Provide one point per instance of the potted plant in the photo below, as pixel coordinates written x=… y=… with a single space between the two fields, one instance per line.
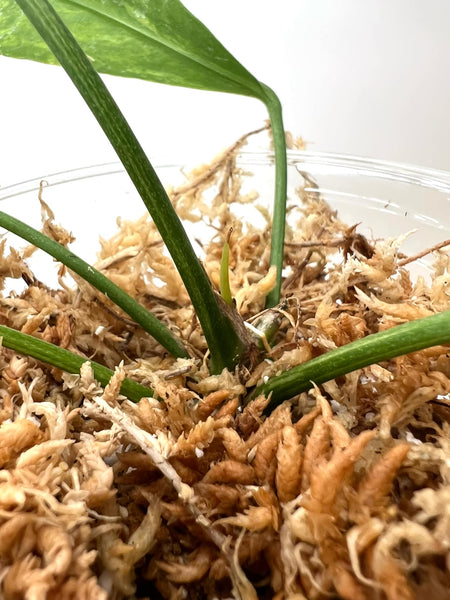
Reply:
x=213 y=484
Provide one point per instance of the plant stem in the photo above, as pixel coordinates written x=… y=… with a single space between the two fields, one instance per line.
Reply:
x=136 y=311
x=67 y=361
x=223 y=341
x=279 y=210
x=377 y=347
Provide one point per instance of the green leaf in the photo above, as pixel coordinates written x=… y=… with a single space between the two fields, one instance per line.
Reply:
x=377 y=347
x=128 y=304
x=67 y=361
x=155 y=40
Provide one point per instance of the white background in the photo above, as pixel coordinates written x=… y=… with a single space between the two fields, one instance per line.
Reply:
x=361 y=77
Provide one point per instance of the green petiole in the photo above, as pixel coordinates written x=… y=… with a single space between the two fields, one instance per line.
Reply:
x=67 y=361
x=279 y=208
x=375 y=348
x=135 y=310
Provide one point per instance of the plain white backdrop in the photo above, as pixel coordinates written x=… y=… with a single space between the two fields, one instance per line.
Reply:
x=369 y=78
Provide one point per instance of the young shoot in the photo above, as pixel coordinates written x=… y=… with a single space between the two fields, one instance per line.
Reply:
x=225 y=290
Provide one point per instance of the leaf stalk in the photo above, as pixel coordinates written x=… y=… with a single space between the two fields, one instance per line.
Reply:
x=279 y=209
x=136 y=311
x=67 y=361
x=374 y=348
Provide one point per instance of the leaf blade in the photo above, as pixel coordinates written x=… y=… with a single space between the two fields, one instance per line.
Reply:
x=158 y=41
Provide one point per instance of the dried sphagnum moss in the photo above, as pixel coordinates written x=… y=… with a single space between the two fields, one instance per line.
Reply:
x=343 y=492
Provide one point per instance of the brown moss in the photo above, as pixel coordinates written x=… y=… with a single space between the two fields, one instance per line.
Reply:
x=343 y=492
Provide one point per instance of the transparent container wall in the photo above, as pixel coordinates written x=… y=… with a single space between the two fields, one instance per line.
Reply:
x=385 y=199
x=86 y=202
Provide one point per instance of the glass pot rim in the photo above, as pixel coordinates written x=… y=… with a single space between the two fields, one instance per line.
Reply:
x=339 y=164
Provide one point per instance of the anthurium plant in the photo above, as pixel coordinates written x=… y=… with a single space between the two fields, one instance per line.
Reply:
x=162 y=41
